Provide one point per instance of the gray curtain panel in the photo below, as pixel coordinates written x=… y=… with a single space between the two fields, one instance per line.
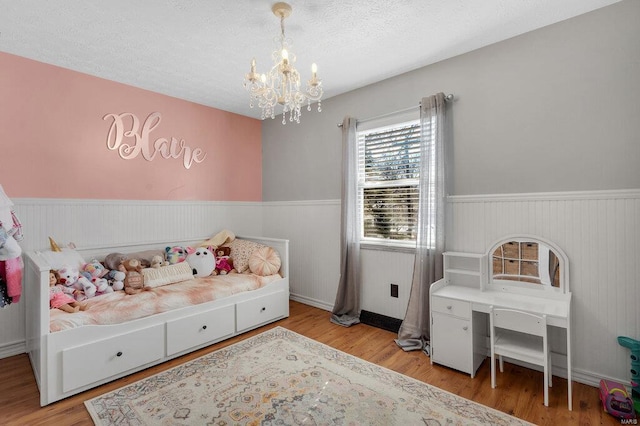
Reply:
x=346 y=309
x=414 y=331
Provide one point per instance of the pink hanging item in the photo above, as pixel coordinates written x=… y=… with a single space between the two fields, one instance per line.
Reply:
x=11 y=272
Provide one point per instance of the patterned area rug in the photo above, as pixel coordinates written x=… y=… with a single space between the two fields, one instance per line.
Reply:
x=282 y=378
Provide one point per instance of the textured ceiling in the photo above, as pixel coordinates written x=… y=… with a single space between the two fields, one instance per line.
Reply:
x=199 y=50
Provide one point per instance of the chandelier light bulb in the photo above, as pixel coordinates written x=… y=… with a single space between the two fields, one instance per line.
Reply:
x=285 y=54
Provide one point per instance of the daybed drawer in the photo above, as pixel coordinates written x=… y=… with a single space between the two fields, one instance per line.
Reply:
x=254 y=312
x=459 y=308
x=99 y=360
x=194 y=330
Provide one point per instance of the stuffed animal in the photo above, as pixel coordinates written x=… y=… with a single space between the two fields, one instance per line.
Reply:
x=70 y=277
x=102 y=286
x=58 y=297
x=93 y=269
x=158 y=261
x=224 y=263
x=116 y=279
x=177 y=254
x=202 y=261
x=134 y=280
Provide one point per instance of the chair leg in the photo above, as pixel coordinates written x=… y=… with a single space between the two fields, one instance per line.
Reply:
x=546 y=387
x=493 y=370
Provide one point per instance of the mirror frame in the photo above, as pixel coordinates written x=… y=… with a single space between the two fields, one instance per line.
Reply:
x=562 y=258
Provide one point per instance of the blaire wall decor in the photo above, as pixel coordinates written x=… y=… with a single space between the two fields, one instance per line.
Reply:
x=125 y=127
x=163 y=138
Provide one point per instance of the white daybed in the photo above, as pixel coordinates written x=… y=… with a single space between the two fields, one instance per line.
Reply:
x=73 y=360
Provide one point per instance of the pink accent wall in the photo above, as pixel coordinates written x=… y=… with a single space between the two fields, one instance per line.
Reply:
x=53 y=141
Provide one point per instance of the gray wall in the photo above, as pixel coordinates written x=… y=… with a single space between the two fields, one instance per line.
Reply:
x=556 y=109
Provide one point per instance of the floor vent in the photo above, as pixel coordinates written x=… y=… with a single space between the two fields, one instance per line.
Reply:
x=381 y=321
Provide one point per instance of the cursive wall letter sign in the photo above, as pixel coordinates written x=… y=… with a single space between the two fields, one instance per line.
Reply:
x=141 y=142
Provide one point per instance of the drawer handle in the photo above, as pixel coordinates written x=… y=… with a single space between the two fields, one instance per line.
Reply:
x=449 y=307
x=263 y=309
x=119 y=354
x=204 y=327
x=465 y=328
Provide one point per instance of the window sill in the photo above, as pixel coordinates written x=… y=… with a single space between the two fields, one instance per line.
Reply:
x=400 y=248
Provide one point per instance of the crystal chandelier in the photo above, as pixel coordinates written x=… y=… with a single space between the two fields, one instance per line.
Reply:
x=281 y=85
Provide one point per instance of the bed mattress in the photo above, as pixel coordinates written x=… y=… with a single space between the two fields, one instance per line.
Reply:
x=118 y=307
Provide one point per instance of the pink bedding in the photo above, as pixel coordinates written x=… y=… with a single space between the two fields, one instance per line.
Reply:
x=118 y=307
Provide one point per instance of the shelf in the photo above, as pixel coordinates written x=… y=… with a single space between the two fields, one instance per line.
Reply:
x=464 y=271
x=462 y=254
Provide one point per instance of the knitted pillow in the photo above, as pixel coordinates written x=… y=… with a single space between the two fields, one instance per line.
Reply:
x=156 y=277
x=241 y=251
x=265 y=261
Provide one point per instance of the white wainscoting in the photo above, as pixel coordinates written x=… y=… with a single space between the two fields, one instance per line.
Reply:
x=380 y=269
x=313 y=231
x=600 y=232
x=91 y=223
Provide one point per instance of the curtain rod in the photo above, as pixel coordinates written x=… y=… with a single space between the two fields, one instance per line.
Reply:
x=448 y=97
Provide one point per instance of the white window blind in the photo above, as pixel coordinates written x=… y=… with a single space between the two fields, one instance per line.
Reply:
x=388 y=176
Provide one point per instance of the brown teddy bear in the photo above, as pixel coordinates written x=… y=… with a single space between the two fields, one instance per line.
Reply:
x=134 y=280
x=224 y=263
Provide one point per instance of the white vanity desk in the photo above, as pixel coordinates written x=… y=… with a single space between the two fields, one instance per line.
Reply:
x=513 y=274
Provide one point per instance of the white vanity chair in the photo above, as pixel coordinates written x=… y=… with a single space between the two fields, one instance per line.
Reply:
x=520 y=273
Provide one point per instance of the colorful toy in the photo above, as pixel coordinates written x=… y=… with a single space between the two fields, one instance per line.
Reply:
x=634 y=346
x=615 y=400
x=177 y=254
x=93 y=269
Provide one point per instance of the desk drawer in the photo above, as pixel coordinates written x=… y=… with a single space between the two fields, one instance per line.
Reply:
x=459 y=308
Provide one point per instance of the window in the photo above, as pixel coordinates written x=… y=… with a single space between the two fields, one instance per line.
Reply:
x=388 y=177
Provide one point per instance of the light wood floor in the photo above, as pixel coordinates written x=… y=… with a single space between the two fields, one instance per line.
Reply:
x=519 y=390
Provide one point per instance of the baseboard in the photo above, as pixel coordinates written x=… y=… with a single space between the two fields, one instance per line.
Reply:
x=14 y=348
x=559 y=362
x=311 y=302
x=380 y=321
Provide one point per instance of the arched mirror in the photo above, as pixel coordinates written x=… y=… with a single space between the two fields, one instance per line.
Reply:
x=529 y=262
